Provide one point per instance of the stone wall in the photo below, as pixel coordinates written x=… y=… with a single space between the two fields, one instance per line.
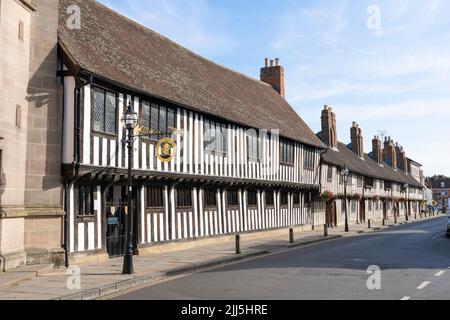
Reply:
x=31 y=194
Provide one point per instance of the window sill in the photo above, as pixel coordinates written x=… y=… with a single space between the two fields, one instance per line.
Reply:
x=216 y=153
x=286 y=164
x=104 y=134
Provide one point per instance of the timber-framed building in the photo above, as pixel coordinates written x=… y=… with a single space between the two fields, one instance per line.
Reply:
x=245 y=162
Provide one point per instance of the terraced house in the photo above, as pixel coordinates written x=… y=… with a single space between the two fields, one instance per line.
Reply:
x=382 y=184
x=245 y=161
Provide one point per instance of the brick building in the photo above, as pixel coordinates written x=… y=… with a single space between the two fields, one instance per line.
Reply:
x=440 y=187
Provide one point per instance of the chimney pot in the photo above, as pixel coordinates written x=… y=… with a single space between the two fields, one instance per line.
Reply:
x=271 y=63
x=277 y=62
x=266 y=62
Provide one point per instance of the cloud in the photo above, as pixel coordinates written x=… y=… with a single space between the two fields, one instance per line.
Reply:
x=192 y=23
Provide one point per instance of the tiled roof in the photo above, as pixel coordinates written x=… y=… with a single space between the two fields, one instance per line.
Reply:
x=115 y=48
x=344 y=156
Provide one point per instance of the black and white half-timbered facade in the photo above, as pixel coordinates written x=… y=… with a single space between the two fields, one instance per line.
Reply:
x=380 y=185
x=245 y=161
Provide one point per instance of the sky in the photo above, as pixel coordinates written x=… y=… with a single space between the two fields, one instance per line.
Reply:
x=384 y=64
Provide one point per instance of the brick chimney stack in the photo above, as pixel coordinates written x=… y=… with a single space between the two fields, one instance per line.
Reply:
x=377 y=150
x=357 y=140
x=329 y=135
x=401 y=158
x=389 y=153
x=273 y=73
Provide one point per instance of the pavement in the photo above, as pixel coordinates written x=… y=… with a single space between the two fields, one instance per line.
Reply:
x=106 y=281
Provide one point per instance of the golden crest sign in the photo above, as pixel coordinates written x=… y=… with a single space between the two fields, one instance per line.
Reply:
x=166 y=149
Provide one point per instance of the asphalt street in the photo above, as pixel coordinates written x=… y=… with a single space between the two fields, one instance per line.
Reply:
x=414 y=260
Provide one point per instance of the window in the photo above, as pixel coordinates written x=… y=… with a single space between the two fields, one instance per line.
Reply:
x=387 y=185
x=215 y=137
x=210 y=197
x=251 y=198
x=343 y=205
x=308 y=158
x=86 y=199
x=232 y=196
x=341 y=179
x=18 y=116
x=253 y=148
x=155 y=198
x=381 y=184
x=284 y=199
x=330 y=173
x=21 y=31
x=184 y=197
x=377 y=205
x=353 y=206
x=360 y=181
x=370 y=205
x=349 y=180
x=368 y=182
x=158 y=118
x=104 y=111
x=269 y=198
x=296 y=199
x=307 y=199
x=286 y=152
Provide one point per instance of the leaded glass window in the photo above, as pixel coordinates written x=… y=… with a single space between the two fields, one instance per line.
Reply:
x=104 y=111
x=158 y=118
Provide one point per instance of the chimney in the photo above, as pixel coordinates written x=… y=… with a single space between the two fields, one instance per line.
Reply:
x=377 y=151
x=329 y=135
x=357 y=140
x=273 y=74
x=389 y=154
x=401 y=158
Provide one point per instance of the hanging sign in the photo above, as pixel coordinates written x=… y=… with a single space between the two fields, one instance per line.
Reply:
x=166 y=150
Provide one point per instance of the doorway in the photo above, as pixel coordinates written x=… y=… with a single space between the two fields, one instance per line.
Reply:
x=116 y=215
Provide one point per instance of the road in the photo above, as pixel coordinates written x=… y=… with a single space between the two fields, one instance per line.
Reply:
x=414 y=261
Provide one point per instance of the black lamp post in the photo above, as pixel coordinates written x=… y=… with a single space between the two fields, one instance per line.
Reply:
x=406 y=186
x=130 y=120
x=345 y=173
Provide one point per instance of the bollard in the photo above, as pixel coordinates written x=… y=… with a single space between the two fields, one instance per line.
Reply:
x=415 y=216
x=368 y=221
x=384 y=222
x=291 y=235
x=325 y=230
x=238 y=244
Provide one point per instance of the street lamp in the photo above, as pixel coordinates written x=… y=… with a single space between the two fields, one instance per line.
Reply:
x=345 y=173
x=130 y=120
x=406 y=186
